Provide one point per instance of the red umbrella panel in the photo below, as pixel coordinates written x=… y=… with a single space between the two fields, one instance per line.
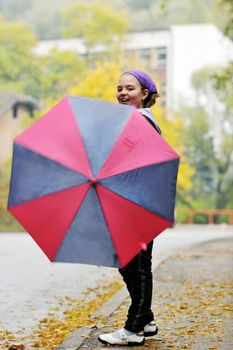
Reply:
x=92 y=182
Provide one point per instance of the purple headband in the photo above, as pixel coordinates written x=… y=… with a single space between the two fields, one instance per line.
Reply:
x=144 y=79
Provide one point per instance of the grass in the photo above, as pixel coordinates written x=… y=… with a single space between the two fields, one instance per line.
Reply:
x=8 y=223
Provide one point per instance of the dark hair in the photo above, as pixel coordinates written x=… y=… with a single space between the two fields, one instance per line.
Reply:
x=150 y=100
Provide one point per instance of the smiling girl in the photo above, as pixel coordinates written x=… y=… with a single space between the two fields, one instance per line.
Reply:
x=136 y=88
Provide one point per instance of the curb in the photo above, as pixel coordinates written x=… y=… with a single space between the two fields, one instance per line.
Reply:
x=111 y=304
x=75 y=339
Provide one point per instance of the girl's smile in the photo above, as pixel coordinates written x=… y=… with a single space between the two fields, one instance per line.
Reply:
x=130 y=91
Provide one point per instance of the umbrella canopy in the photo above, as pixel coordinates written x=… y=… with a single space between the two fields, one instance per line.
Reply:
x=92 y=182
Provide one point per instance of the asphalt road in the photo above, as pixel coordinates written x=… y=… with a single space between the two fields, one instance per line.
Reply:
x=30 y=285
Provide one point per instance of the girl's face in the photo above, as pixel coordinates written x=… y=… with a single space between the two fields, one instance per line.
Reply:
x=130 y=92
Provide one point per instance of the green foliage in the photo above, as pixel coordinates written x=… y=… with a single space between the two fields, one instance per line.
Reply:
x=42 y=16
x=57 y=72
x=16 y=42
x=209 y=141
x=23 y=71
x=163 y=13
x=45 y=17
x=7 y=222
x=14 y=10
x=96 y=23
x=199 y=151
x=222 y=80
x=18 y=66
x=140 y=4
x=99 y=82
x=228 y=6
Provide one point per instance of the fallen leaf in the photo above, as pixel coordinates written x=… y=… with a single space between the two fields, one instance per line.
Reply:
x=16 y=347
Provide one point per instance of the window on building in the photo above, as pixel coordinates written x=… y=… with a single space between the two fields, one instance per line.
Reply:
x=145 y=55
x=163 y=96
x=161 y=57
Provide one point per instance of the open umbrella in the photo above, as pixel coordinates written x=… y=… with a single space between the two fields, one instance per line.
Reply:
x=92 y=182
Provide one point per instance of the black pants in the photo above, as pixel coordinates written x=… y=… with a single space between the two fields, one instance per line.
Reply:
x=137 y=275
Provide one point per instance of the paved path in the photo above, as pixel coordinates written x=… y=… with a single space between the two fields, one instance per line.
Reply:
x=30 y=285
x=192 y=301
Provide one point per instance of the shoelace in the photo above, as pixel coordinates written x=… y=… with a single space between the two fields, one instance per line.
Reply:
x=123 y=337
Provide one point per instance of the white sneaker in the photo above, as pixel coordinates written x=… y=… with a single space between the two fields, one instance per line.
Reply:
x=150 y=329
x=122 y=337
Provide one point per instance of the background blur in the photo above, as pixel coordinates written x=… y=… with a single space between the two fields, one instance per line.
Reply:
x=50 y=49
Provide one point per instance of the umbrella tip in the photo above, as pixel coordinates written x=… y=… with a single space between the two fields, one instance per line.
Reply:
x=143 y=245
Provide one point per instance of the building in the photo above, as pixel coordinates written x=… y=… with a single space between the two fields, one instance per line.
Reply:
x=13 y=107
x=193 y=47
x=172 y=54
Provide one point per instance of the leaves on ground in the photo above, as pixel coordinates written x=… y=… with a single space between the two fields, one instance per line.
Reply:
x=52 y=330
x=193 y=304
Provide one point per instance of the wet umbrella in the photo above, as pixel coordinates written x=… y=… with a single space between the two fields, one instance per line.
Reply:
x=92 y=182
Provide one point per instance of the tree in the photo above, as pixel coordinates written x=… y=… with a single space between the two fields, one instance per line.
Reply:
x=16 y=43
x=39 y=76
x=99 y=82
x=14 y=10
x=228 y=6
x=174 y=132
x=45 y=19
x=97 y=24
x=216 y=86
x=164 y=13
x=55 y=74
x=7 y=223
x=209 y=143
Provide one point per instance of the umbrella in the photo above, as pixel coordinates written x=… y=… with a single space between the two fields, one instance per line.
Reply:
x=92 y=182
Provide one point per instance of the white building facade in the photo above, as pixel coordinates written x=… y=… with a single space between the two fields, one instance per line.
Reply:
x=172 y=54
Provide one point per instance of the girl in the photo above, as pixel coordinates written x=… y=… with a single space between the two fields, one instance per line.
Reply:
x=136 y=88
